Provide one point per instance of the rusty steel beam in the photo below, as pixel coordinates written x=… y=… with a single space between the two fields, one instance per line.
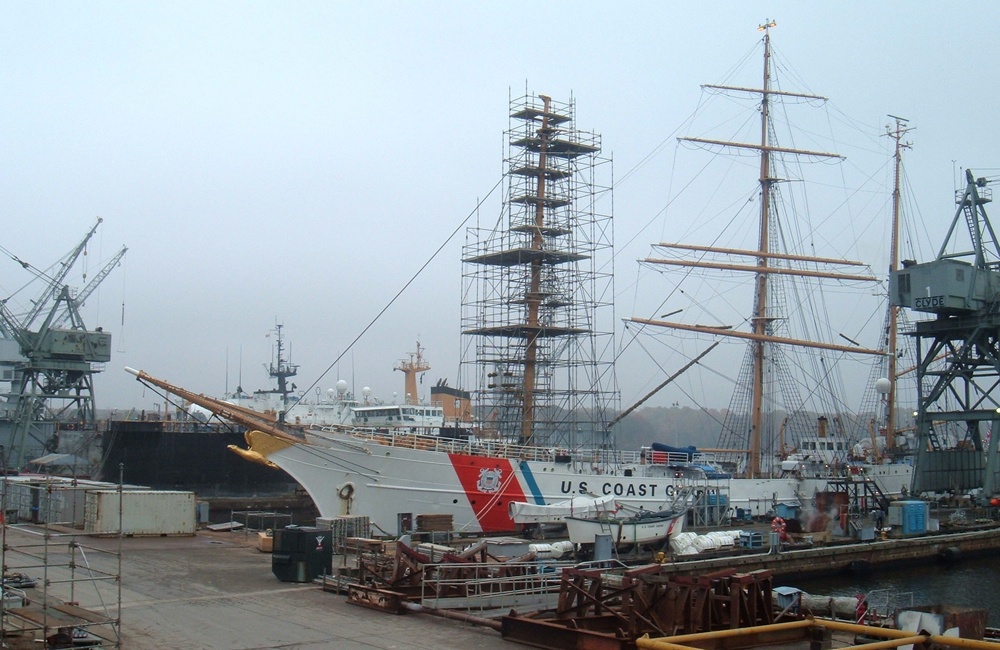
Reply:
x=545 y=634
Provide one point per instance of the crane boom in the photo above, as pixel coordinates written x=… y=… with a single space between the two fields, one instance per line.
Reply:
x=91 y=286
x=55 y=283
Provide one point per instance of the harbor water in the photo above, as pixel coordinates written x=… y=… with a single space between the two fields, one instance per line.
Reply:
x=967 y=582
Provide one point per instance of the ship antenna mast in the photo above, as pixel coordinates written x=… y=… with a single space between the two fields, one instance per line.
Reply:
x=411 y=368
x=283 y=368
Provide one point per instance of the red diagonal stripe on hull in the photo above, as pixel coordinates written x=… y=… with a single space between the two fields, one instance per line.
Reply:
x=476 y=472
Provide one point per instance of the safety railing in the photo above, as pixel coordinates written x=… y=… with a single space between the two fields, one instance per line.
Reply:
x=484 y=586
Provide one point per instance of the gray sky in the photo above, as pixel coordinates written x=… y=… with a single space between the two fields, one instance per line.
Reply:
x=299 y=161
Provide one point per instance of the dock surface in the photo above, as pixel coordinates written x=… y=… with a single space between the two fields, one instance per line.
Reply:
x=215 y=591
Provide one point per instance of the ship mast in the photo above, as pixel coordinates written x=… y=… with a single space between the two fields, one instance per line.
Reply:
x=760 y=308
x=761 y=331
x=896 y=134
x=411 y=368
x=534 y=294
x=283 y=369
x=536 y=291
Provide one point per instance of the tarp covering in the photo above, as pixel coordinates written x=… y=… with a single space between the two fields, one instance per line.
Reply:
x=60 y=460
x=689 y=451
x=581 y=506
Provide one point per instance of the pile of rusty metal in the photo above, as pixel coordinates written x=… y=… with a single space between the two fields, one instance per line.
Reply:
x=599 y=608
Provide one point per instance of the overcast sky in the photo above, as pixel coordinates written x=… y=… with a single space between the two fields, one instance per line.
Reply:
x=298 y=162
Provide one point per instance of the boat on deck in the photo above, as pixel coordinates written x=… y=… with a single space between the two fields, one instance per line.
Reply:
x=634 y=529
x=526 y=513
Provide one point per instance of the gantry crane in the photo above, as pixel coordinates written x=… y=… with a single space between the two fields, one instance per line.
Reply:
x=51 y=377
x=958 y=351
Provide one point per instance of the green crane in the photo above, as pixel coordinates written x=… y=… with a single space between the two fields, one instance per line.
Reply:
x=51 y=378
x=958 y=350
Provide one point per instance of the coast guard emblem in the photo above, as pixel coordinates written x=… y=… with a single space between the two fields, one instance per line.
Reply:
x=489 y=480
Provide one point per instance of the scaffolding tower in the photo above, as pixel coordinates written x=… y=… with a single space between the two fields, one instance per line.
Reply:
x=537 y=306
x=77 y=599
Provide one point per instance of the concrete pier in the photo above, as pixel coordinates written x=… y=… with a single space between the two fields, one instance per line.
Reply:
x=216 y=590
x=836 y=558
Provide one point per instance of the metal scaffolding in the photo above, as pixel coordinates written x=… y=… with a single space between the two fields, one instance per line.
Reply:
x=77 y=599
x=538 y=287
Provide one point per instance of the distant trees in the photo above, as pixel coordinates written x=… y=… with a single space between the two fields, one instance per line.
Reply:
x=683 y=425
x=673 y=425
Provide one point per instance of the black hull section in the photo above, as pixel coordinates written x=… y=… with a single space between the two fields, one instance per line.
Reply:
x=187 y=456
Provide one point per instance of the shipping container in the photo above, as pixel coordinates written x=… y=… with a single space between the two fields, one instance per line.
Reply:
x=143 y=512
x=49 y=499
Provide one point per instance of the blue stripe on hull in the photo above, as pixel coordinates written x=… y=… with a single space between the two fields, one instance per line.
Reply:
x=532 y=486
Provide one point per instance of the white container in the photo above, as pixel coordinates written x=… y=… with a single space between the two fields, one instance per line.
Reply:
x=144 y=512
x=49 y=499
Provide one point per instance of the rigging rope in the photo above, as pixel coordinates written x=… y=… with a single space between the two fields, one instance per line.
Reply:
x=393 y=300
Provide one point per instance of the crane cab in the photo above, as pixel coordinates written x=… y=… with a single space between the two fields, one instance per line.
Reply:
x=945 y=287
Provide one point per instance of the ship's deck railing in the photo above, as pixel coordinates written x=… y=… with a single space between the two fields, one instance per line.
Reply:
x=194 y=426
x=501 y=449
x=676 y=457
x=489 y=448
x=470 y=446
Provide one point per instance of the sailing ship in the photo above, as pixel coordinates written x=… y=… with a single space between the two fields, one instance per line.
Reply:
x=770 y=428
x=542 y=389
x=537 y=316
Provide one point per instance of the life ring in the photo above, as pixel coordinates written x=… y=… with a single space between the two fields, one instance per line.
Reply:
x=346 y=491
x=861 y=611
x=778 y=525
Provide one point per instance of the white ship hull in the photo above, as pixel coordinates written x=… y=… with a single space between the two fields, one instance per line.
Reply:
x=393 y=478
